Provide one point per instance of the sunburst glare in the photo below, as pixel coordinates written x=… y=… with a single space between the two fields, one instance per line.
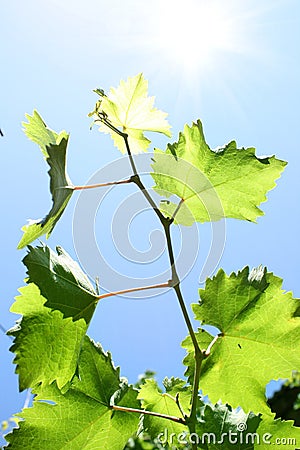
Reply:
x=192 y=32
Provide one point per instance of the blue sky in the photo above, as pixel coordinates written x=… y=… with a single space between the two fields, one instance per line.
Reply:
x=240 y=77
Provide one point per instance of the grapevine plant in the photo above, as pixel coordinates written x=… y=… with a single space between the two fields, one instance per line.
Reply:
x=80 y=400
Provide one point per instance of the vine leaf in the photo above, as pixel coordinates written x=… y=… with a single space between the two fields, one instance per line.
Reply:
x=80 y=418
x=281 y=434
x=129 y=109
x=45 y=344
x=153 y=399
x=54 y=149
x=61 y=281
x=221 y=427
x=37 y=131
x=212 y=184
x=259 y=326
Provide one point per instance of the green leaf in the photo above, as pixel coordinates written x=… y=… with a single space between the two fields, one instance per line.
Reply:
x=220 y=427
x=154 y=400
x=277 y=434
x=212 y=184
x=61 y=282
x=45 y=344
x=80 y=418
x=54 y=148
x=260 y=338
x=36 y=130
x=129 y=109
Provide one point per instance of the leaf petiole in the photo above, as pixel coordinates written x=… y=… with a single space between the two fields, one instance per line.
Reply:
x=206 y=353
x=149 y=413
x=143 y=288
x=177 y=208
x=103 y=119
x=179 y=405
x=97 y=185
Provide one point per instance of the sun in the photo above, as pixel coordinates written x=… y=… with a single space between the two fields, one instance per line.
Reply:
x=193 y=32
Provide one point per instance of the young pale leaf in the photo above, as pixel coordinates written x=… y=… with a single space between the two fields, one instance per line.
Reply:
x=129 y=109
x=260 y=338
x=154 y=400
x=54 y=148
x=81 y=418
x=61 y=282
x=222 y=428
x=46 y=345
x=212 y=184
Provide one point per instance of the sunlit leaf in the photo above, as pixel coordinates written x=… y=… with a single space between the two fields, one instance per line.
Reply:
x=259 y=341
x=54 y=148
x=278 y=434
x=153 y=399
x=129 y=109
x=212 y=184
x=222 y=428
x=81 y=418
x=61 y=281
x=46 y=345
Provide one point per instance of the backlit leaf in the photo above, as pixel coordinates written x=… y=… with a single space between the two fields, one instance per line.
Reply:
x=260 y=338
x=129 y=109
x=46 y=345
x=37 y=131
x=54 y=148
x=212 y=184
x=61 y=281
x=222 y=428
x=164 y=403
x=278 y=434
x=81 y=418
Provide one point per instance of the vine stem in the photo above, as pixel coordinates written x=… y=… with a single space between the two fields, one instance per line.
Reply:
x=174 y=282
x=149 y=413
x=193 y=412
x=137 y=180
x=143 y=288
x=176 y=286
